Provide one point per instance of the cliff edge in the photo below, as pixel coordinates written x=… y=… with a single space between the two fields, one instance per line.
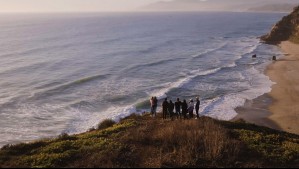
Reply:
x=285 y=29
x=147 y=142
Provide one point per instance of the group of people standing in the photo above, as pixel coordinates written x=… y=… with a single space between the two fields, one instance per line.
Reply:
x=179 y=109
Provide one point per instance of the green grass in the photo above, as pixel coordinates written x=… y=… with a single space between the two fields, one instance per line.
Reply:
x=142 y=141
x=63 y=150
x=273 y=147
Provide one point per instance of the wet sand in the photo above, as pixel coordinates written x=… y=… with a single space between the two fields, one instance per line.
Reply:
x=278 y=109
x=257 y=111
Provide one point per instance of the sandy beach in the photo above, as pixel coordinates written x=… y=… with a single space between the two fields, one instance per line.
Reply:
x=257 y=111
x=285 y=108
x=278 y=109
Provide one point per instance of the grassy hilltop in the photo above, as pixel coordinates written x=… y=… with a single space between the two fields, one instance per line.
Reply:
x=143 y=141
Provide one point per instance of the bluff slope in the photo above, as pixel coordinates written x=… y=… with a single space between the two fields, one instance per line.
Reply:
x=285 y=29
x=143 y=141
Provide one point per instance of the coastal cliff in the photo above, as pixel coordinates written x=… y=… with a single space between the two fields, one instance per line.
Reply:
x=285 y=29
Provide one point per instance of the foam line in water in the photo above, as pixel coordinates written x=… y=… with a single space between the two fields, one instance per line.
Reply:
x=160 y=94
x=181 y=82
x=250 y=50
x=62 y=87
x=114 y=113
x=207 y=51
x=155 y=63
x=81 y=120
x=223 y=107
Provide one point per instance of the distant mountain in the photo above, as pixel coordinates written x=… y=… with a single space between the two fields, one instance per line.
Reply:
x=223 y=5
x=273 y=8
x=286 y=29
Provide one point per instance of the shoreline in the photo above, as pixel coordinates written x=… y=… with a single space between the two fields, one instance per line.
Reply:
x=279 y=108
x=257 y=111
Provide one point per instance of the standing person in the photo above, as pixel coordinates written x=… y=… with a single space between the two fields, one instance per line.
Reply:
x=152 y=106
x=177 y=105
x=164 y=108
x=170 y=109
x=184 y=109
x=191 y=108
x=155 y=105
x=197 y=107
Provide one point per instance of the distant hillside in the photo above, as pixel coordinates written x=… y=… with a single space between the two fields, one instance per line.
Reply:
x=286 y=29
x=273 y=8
x=143 y=141
x=223 y=5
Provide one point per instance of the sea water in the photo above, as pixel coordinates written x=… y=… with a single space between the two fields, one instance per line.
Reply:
x=67 y=72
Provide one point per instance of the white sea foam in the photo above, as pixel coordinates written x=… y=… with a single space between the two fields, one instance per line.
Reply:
x=224 y=107
x=221 y=108
x=35 y=121
x=115 y=113
x=206 y=51
x=82 y=120
x=161 y=93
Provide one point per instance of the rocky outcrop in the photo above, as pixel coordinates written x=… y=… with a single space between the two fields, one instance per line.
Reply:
x=286 y=29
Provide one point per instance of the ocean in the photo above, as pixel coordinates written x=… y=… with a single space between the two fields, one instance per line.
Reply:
x=64 y=73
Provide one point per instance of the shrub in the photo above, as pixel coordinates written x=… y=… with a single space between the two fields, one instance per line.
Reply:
x=105 y=124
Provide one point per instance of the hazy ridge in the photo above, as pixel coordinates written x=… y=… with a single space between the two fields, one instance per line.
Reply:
x=223 y=5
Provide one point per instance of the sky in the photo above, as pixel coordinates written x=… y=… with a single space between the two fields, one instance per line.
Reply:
x=29 y=6
x=71 y=5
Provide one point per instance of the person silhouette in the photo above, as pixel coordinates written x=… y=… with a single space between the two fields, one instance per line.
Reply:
x=164 y=108
x=197 y=103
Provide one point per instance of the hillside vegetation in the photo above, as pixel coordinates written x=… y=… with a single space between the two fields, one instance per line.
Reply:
x=143 y=141
x=285 y=29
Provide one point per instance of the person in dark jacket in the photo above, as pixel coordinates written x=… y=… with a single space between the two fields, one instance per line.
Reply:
x=184 y=109
x=197 y=107
x=177 y=105
x=155 y=105
x=152 y=106
x=164 y=108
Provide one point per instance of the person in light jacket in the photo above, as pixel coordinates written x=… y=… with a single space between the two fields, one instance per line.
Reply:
x=191 y=108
